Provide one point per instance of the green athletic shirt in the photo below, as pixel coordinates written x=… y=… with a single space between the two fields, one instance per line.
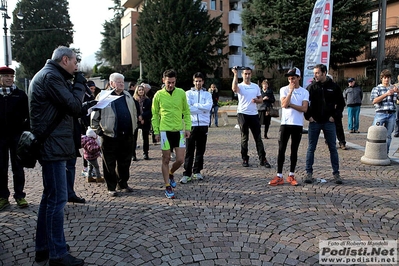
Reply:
x=169 y=111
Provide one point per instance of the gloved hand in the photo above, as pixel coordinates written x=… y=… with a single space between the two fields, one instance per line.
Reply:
x=79 y=78
x=87 y=105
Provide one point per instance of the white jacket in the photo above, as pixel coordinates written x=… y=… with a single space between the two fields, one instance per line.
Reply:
x=200 y=102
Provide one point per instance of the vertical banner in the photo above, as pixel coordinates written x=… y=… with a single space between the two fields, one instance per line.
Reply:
x=318 y=42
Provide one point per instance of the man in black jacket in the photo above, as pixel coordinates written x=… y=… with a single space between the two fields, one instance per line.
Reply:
x=14 y=118
x=326 y=105
x=51 y=95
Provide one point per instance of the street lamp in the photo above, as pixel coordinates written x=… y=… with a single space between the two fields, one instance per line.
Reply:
x=3 y=9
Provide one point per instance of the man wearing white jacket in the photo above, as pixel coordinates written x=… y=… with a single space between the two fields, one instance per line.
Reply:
x=200 y=102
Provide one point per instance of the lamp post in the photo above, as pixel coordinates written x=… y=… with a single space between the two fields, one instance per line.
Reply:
x=140 y=64
x=3 y=9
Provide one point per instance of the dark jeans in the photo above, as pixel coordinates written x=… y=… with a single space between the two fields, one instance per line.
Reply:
x=246 y=123
x=329 y=135
x=94 y=167
x=146 y=144
x=340 y=131
x=117 y=157
x=196 y=142
x=266 y=121
x=287 y=131
x=70 y=174
x=50 y=221
x=396 y=130
x=214 y=113
x=10 y=144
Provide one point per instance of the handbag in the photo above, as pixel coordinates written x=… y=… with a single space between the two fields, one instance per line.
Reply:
x=28 y=148
x=271 y=111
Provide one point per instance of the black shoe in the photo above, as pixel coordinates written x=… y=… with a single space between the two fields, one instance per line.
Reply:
x=76 y=199
x=43 y=255
x=245 y=163
x=396 y=135
x=134 y=158
x=265 y=163
x=145 y=156
x=68 y=260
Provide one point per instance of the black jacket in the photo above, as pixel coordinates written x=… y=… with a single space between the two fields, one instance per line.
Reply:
x=269 y=102
x=146 y=114
x=326 y=100
x=50 y=93
x=14 y=113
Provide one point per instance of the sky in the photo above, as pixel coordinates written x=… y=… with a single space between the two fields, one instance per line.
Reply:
x=87 y=16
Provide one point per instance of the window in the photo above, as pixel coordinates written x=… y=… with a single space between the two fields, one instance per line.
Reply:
x=204 y=6
x=221 y=5
x=374 y=20
x=126 y=31
x=213 y=4
x=373 y=49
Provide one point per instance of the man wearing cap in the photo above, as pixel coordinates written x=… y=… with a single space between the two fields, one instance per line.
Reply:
x=326 y=103
x=247 y=115
x=14 y=119
x=294 y=102
x=353 y=96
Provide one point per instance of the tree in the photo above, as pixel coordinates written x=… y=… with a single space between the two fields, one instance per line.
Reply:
x=179 y=35
x=110 y=50
x=277 y=31
x=45 y=26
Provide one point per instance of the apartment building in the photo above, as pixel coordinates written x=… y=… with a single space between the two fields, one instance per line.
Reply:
x=231 y=21
x=364 y=67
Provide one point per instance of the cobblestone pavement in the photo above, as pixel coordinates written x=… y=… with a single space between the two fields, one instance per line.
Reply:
x=232 y=217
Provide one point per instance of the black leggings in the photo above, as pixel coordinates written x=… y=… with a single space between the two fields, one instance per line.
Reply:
x=287 y=131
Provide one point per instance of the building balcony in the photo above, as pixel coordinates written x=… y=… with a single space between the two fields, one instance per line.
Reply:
x=235 y=17
x=392 y=23
x=131 y=3
x=235 y=60
x=235 y=39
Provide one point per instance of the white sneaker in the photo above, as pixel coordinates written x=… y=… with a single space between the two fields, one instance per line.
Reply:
x=112 y=193
x=198 y=176
x=185 y=179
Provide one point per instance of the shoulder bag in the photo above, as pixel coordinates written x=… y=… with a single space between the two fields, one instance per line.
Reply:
x=271 y=111
x=28 y=148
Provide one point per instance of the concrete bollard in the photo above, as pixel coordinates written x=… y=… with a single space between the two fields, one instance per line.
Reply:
x=376 y=147
x=224 y=117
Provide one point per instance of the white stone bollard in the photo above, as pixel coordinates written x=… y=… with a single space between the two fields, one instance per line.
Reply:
x=376 y=147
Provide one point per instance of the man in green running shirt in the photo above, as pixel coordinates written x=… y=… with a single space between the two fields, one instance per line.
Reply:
x=169 y=106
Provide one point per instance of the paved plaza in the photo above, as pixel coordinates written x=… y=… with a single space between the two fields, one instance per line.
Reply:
x=232 y=217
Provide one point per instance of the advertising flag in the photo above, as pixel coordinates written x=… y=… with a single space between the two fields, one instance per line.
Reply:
x=318 y=42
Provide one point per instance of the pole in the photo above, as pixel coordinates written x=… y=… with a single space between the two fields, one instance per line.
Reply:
x=5 y=40
x=382 y=16
x=141 y=72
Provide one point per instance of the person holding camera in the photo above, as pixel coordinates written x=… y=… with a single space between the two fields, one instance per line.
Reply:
x=14 y=117
x=247 y=114
x=51 y=95
x=384 y=97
